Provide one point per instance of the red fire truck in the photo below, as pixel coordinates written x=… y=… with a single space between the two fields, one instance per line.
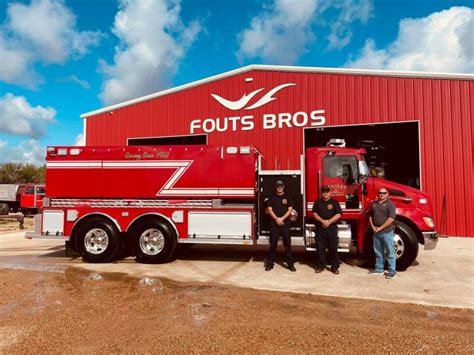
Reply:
x=152 y=198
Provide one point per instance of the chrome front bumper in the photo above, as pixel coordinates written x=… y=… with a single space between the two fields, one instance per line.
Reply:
x=431 y=240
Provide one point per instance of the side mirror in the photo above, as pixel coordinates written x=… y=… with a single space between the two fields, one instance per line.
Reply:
x=363 y=172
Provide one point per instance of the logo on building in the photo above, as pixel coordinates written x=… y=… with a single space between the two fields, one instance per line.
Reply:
x=244 y=100
x=248 y=122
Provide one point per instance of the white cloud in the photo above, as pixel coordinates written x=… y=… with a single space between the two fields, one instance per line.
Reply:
x=16 y=64
x=74 y=79
x=43 y=31
x=440 y=42
x=28 y=152
x=350 y=11
x=153 y=40
x=18 y=117
x=281 y=33
x=80 y=141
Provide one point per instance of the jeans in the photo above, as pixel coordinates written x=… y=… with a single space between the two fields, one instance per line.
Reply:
x=383 y=243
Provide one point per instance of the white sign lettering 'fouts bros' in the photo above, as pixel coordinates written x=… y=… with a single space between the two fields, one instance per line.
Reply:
x=247 y=122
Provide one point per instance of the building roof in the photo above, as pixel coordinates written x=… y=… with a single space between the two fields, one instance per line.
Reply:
x=389 y=73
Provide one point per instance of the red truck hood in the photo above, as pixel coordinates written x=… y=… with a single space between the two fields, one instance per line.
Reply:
x=409 y=193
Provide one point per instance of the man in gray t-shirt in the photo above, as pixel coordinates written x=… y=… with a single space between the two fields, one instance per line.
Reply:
x=382 y=217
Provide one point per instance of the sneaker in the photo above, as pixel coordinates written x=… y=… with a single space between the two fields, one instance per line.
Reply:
x=268 y=267
x=376 y=272
x=291 y=268
x=391 y=276
x=335 y=271
x=319 y=270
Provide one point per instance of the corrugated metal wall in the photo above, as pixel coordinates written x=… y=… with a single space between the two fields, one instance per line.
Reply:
x=444 y=108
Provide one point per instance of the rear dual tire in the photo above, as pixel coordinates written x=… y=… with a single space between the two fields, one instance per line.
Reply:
x=153 y=241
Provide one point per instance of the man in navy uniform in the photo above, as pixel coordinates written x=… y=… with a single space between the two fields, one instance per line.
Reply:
x=279 y=207
x=326 y=212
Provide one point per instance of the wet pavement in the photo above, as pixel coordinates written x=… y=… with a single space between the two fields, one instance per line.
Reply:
x=51 y=302
x=441 y=277
x=80 y=311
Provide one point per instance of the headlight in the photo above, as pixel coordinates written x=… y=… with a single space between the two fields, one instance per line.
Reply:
x=429 y=221
x=423 y=201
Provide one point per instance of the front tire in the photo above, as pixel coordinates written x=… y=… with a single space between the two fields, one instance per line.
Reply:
x=406 y=245
x=153 y=242
x=98 y=241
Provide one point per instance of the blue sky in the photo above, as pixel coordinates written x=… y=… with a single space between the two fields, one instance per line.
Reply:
x=62 y=58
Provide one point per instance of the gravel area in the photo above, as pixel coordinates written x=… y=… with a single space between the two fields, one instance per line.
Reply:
x=10 y=224
x=76 y=311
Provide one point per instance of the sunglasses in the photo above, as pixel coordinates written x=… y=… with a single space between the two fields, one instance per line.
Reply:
x=383 y=193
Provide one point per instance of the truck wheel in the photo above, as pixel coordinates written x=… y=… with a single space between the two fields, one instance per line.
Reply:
x=406 y=246
x=97 y=241
x=153 y=242
x=4 y=209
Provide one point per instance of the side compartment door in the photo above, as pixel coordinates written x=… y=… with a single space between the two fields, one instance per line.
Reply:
x=266 y=187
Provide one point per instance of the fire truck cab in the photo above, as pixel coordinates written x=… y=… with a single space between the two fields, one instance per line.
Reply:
x=31 y=199
x=149 y=199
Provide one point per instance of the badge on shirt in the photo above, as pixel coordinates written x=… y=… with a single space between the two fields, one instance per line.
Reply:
x=329 y=207
x=284 y=201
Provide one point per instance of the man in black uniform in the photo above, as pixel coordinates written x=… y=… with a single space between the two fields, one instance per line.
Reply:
x=279 y=207
x=326 y=212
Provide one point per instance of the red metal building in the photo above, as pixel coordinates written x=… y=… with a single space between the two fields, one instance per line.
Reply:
x=417 y=127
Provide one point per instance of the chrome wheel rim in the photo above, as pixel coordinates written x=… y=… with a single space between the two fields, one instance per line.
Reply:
x=152 y=241
x=399 y=245
x=96 y=241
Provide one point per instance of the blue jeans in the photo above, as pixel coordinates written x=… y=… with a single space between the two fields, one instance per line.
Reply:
x=383 y=243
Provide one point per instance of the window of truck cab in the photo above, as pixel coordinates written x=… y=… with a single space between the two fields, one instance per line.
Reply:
x=341 y=166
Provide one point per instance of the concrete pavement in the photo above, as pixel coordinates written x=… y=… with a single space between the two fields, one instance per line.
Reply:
x=440 y=277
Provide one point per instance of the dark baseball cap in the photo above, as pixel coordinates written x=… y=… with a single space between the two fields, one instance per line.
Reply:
x=325 y=188
x=279 y=183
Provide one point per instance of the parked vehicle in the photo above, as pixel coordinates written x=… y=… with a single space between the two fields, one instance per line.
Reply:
x=10 y=195
x=31 y=199
x=25 y=198
x=151 y=198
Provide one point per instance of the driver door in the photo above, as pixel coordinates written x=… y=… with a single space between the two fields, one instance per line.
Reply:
x=340 y=174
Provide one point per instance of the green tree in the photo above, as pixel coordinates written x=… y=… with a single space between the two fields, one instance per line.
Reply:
x=41 y=174
x=10 y=173
x=19 y=173
x=29 y=173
